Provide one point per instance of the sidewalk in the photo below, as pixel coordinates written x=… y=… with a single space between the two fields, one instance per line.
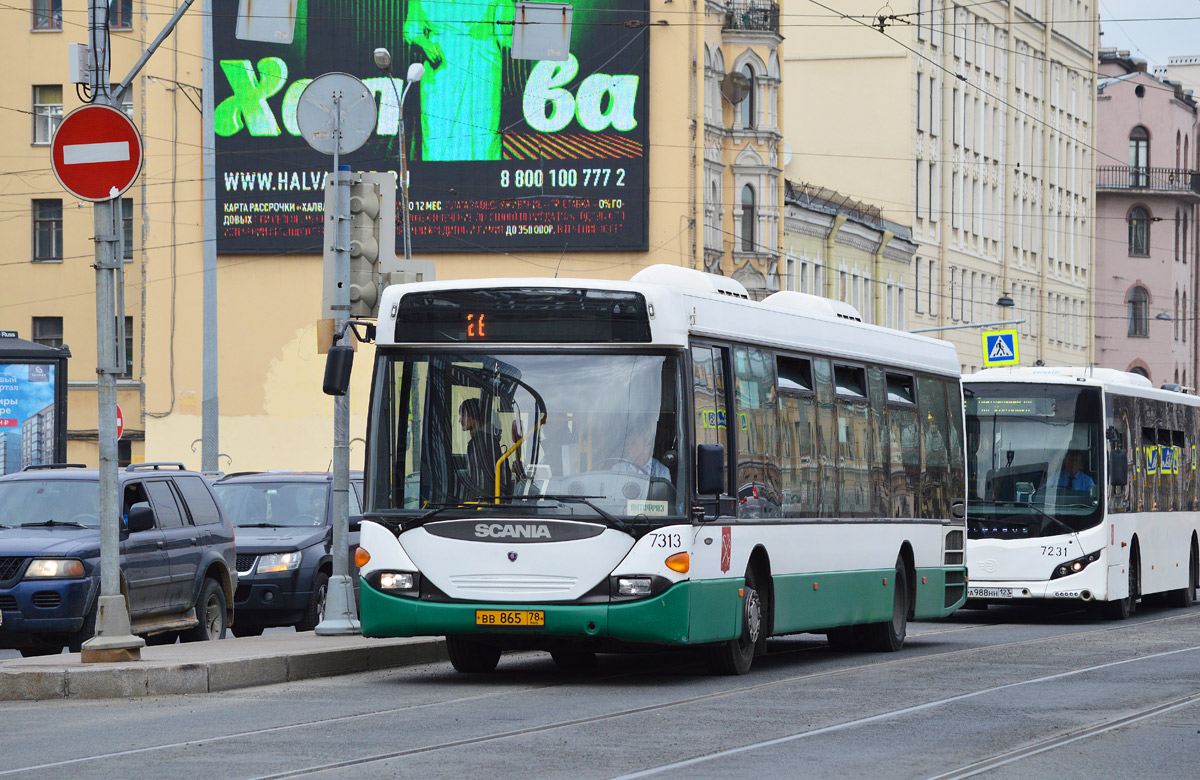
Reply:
x=205 y=667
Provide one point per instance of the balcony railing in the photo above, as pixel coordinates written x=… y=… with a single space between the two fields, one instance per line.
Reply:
x=1128 y=177
x=752 y=15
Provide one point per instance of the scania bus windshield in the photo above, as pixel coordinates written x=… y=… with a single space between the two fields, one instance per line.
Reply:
x=565 y=433
x=1034 y=459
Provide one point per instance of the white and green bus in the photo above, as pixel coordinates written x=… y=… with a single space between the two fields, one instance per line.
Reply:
x=583 y=466
x=1081 y=488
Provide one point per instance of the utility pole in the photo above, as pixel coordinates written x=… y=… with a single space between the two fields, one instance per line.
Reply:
x=113 y=640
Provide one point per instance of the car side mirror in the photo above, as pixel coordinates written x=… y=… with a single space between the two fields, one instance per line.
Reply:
x=141 y=517
x=710 y=469
x=1118 y=468
x=338 y=364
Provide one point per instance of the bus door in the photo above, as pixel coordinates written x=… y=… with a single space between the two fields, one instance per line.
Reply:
x=710 y=365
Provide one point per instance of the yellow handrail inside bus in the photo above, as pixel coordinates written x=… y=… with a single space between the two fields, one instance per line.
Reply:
x=508 y=453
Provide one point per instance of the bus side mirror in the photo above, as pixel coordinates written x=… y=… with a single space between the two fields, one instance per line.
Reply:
x=1118 y=468
x=338 y=364
x=710 y=469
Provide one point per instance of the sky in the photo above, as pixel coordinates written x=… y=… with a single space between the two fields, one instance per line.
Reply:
x=1153 y=30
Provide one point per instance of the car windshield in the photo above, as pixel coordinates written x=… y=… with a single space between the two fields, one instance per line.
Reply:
x=472 y=428
x=1034 y=458
x=274 y=503
x=29 y=501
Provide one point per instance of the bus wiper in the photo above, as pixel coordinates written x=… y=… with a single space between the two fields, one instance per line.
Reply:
x=52 y=522
x=609 y=518
x=260 y=525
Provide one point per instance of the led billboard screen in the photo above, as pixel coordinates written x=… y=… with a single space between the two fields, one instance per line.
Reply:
x=504 y=155
x=28 y=402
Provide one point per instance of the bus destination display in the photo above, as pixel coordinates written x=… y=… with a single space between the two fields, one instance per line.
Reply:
x=502 y=154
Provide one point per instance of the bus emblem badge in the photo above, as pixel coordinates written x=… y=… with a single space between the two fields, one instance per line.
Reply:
x=512 y=556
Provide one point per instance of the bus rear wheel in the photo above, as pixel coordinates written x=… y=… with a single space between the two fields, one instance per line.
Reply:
x=888 y=636
x=1186 y=596
x=736 y=655
x=470 y=656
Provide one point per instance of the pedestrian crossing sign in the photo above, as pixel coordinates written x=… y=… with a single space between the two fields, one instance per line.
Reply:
x=1000 y=348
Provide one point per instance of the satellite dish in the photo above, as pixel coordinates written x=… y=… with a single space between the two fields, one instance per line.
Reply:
x=735 y=86
x=336 y=113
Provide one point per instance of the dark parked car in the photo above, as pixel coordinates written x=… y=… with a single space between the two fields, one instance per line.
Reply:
x=176 y=547
x=284 y=523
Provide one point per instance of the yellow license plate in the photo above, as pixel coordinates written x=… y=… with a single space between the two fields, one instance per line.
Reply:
x=509 y=617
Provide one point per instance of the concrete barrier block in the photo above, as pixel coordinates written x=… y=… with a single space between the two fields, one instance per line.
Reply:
x=103 y=681
x=247 y=672
x=302 y=666
x=184 y=678
x=32 y=685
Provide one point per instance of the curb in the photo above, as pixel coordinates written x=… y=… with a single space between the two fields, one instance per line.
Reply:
x=161 y=677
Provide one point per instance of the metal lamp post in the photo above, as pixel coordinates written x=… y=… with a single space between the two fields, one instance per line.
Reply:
x=383 y=60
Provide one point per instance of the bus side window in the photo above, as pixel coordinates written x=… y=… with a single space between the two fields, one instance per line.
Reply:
x=826 y=436
x=708 y=391
x=935 y=474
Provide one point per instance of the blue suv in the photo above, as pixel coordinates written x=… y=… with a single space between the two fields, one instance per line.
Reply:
x=176 y=546
x=284 y=523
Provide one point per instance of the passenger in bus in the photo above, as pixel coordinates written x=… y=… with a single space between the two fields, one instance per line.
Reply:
x=1072 y=476
x=483 y=452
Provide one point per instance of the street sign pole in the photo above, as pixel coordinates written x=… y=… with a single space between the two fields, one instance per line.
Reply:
x=113 y=640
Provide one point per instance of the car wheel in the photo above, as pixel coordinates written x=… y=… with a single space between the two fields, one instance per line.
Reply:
x=87 y=630
x=470 y=656
x=36 y=652
x=315 y=612
x=210 y=611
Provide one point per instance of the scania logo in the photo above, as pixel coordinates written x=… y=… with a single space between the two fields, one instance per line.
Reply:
x=512 y=531
x=512 y=556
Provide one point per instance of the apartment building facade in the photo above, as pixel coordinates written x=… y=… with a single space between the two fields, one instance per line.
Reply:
x=972 y=123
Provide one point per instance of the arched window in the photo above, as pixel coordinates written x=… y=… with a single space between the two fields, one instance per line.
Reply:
x=1139 y=371
x=746 y=107
x=1139 y=232
x=1183 y=245
x=1177 y=234
x=748 y=244
x=1175 y=321
x=1138 y=302
x=1178 y=147
x=1139 y=157
x=1183 y=323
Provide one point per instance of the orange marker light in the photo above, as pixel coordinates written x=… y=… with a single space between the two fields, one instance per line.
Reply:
x=361 y=557
x=679 y=562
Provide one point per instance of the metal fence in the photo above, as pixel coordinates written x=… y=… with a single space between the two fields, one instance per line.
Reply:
x=752 y=15
x=1128 y=177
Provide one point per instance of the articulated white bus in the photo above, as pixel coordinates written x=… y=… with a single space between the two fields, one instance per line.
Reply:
x=1081 y=487
x=583 y=466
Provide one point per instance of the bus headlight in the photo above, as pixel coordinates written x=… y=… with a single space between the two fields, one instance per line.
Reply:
x=396 y=580
x=634 y=586
x=1075 y=566
x=53 y=568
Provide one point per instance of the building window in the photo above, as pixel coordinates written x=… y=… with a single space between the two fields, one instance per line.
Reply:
x=48 y=331
x=748 y=219
x=1139 y=157
x=127 y=228
x=746 y=107
x=1139 y=232
x=47 y=112
x=128 y=372
x=1138 y=304
x=120 y=14
x=47 y=229
x=47 y=14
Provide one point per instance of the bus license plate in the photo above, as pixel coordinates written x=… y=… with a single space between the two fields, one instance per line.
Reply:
x=989 y=593
x=509 y=617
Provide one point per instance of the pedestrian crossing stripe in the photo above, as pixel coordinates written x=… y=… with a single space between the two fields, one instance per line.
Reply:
x=1000 y=348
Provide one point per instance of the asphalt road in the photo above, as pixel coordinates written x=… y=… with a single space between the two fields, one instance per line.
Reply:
x=1009 y=693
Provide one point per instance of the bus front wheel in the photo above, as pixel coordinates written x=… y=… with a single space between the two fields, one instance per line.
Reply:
x=1186 y=596
x=736 y=655
x=1121 y=609
x=467 y=655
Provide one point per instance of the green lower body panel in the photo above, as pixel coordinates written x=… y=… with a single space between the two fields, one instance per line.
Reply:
x=664 y=620
x=940 y=591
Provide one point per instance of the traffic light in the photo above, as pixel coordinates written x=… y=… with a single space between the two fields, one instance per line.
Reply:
x=366 y=206
x=372 y=245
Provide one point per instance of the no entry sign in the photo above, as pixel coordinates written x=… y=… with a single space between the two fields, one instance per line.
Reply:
x=96 y=153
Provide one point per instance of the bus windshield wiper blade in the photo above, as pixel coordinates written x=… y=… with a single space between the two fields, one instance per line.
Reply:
x=260 y=525
x=609 y=517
